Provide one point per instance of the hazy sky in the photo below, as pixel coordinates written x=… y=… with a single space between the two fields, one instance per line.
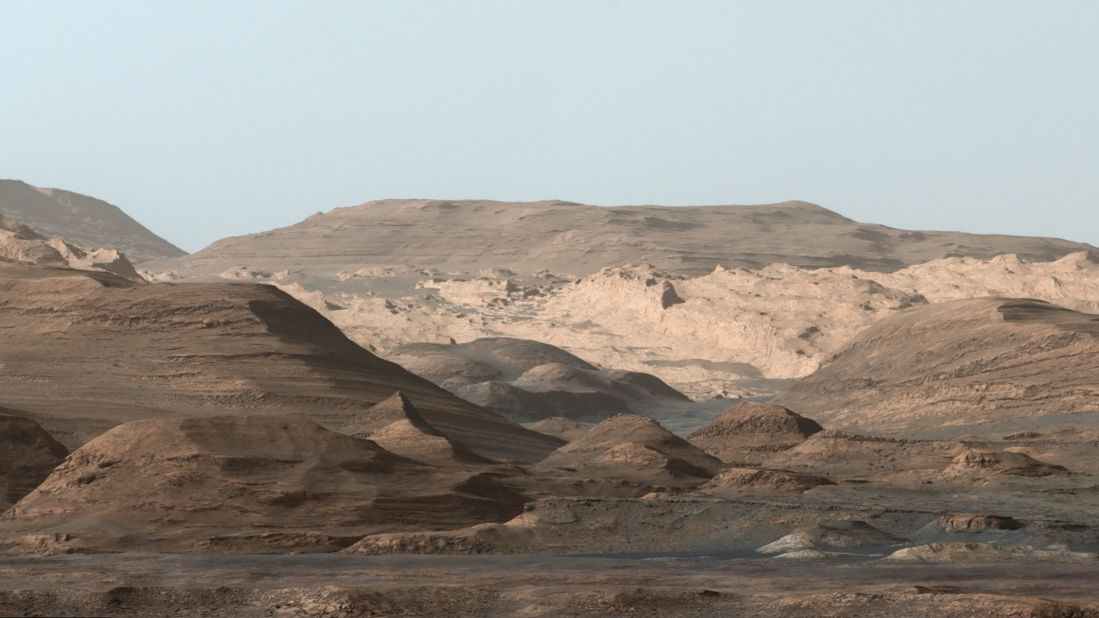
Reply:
x=205 y=119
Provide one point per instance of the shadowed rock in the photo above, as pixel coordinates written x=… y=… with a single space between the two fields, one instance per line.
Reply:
x=27 y=455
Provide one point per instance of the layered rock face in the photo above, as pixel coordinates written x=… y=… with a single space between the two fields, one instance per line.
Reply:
x=752 y=431
x=936 y=370
x=84 y=351
x=565 y=237
x=714 y=301
x=628 y=446
x=241 y=484
x=19 y=243
x=82 y=220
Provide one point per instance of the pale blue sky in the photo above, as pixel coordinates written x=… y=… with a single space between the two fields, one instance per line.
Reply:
x=205 y=119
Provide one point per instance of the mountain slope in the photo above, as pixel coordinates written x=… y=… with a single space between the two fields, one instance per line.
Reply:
x=564 y=237
x=83 y=351
x=968 y=365
x=82 y=220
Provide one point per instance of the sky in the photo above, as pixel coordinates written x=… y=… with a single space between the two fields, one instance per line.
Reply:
x=204 y=119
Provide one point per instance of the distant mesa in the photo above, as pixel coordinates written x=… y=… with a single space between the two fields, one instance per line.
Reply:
x=565 y=237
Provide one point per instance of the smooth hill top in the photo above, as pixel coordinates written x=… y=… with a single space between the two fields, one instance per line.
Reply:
x=751 y=430
x=946 y=369
x=625 y=437
x=82 y=220
x=526 y=380
x=564 y=237
x=84 y=351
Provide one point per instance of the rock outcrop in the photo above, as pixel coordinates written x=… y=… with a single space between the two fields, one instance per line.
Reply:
x=976 y=463
x=565 y=237
x=19 y=243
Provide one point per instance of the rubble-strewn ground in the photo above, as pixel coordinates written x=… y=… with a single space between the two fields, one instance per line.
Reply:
x=334 y=585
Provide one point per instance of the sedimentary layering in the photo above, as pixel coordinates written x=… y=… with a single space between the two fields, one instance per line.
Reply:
x=80 y=219
x=84 y=351
x=733 y=481
x=752 y=431
x=526 y=380
x=397 y=426
x=938 y=369
x=724 y=321
x=564 y=237
x=630 y=443
x=242 y=484
x=19 y=243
